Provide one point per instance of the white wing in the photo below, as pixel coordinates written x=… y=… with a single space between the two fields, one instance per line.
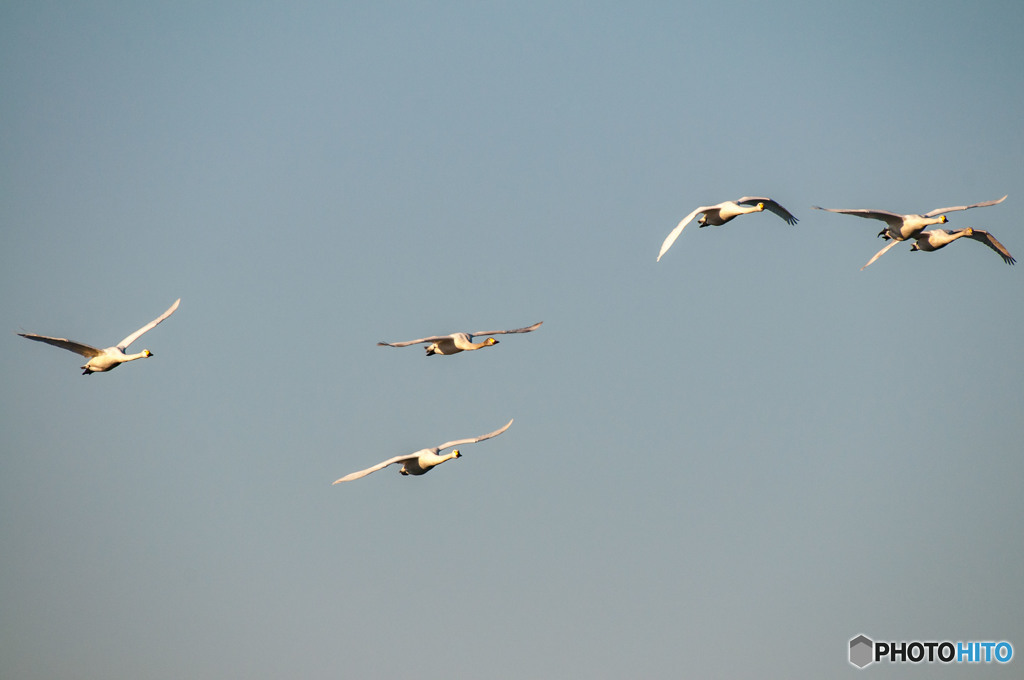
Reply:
x=448 y=445
x=64 y=343
x=148 y=327
x=881 y=252
x=517 y=330
x=438 y=338
x=894 y=220
x=993 y=243
x=674 y=234
x=939 y=211
x=378 y=466
x=771 y=205
x=432 y=338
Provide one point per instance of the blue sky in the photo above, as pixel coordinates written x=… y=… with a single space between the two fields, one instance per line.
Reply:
x=726 y=463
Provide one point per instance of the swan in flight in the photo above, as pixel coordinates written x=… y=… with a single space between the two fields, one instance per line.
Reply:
x=421 y=462
x=101 y=360
x=931 y=240
x=903 y=227
x=715 y=215
x=458 y=342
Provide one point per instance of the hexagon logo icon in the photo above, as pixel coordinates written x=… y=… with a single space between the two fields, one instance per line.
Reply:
x=861 y=651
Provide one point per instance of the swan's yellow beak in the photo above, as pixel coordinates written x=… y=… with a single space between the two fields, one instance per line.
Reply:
x=943 y=219
x=457 y=453
x=969 y=231
x=492 y=341
x=760 y=206
x=147 y=353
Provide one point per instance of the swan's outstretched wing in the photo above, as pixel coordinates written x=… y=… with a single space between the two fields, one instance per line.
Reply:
x=64 y=343
x=517 y=330
x=881 y=252
x=939 y=211
x=884 y=215
x=991 y=241
x=378 y=466
x=148 y=327
x=769 y=204
x=448 y=445
x=674 y=234
x=432 y=338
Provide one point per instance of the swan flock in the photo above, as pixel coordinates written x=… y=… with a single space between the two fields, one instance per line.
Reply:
x=898 y=228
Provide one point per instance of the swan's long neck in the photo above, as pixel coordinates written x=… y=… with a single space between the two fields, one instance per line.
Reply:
x=485 y=343
x=915 y=223
x=144 y=354
x=440 y=458
x=919 y=222
x=939 y=238
x=427 y=462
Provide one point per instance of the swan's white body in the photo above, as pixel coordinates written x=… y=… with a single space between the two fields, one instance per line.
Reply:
x=458 y=342
x=904 y=227
x=101 y=360
x=422 y=461
x=716 y=215
x=932 y=240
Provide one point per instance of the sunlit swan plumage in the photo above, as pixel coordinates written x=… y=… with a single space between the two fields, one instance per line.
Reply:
x=458 y=342
x=101 y=360
x=931 y=240
x=422 y=461
x=716 y=215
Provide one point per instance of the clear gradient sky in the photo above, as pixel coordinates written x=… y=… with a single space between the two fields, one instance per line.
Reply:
x=725 y=464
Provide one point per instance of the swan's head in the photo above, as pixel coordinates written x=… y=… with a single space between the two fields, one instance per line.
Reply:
x=942 y=219
x=146 y=353
x=456 y=454
x=968 y=231
x=759 y=207
x=490 y=341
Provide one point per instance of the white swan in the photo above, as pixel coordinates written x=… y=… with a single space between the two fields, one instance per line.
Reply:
x=903 y=227
x=932 y=240
x=101 y=360
x=458 y=342
x=715 y=215
x=421 y=462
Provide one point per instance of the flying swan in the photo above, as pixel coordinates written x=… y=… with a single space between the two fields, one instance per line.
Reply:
x=421 y=462
x=931 y=240
x=458 y=342
x=904 y=227
x=101 y=360
x=715 y=215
